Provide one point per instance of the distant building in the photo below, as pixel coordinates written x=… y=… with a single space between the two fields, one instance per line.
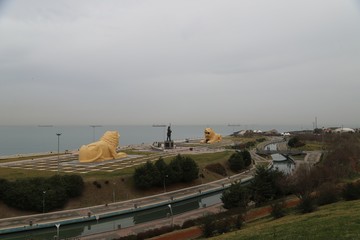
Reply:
x=344 y=130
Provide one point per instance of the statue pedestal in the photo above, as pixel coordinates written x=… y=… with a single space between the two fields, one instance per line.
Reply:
x=169 y=144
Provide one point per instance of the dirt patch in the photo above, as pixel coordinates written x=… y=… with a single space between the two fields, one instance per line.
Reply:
x=265 y=211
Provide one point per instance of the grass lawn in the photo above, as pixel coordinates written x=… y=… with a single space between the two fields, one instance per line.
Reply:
x=13 y=174
x=336 y=221
x=312 y=146
x=20 y=158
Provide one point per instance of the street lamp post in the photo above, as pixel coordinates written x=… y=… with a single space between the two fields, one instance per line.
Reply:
x=58 y=230
x=172 y=215
x=114 y=191
x=202 y=176
x=58 y=158
x=94 y=126
x=164 y=182
x=43 y=202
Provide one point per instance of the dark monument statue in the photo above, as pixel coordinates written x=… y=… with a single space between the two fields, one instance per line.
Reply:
x=168 y=134
x=168 y=143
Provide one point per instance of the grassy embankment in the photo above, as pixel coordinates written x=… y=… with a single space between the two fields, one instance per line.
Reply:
x=335 y=221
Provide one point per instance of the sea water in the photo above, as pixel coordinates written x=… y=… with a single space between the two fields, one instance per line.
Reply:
x=37 y=139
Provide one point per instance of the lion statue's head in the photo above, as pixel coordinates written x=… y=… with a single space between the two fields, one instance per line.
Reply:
x=211 y=136
x=111 y=138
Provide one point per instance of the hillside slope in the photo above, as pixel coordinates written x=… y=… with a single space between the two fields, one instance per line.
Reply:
x=336 y=221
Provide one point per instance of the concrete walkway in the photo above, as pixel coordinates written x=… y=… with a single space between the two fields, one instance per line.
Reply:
x=313 y=157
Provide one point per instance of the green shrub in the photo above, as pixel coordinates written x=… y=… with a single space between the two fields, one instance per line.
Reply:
x=176 y=170
x=278 y=209
x=73 y=184
x=188 y=223
x=146 y=176
x=164 y=171
x=327 y=194
x=239 y=160
x=180 y=169
x=250 y=144
x=236 y=162
x=351 y=191
x=208 y=226
x=38 y=194
x=236 y=196
x=266 y=185
x=223 y=225
x=239 y=221
x=4 y=185
x=190 y=169
x=307 y=204
x=246 y=157
x=295 y=142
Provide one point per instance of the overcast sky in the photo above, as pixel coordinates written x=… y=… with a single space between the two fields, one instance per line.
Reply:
x=180 y=62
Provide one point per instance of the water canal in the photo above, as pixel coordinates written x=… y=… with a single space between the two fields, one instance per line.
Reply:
x=280 y=162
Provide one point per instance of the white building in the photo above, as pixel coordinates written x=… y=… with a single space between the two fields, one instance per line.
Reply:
x=344 y=130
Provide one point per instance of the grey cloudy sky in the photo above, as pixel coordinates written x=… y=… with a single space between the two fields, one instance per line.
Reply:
x=180 y=61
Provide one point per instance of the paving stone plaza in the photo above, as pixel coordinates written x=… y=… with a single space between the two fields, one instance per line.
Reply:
x=69 y=163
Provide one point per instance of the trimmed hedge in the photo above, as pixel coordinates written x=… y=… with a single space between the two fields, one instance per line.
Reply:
x=351 y=191
x=180 y=169
x=41 y=194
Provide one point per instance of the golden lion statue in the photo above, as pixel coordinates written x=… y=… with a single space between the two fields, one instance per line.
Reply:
x=102 y=150
x=211 y=136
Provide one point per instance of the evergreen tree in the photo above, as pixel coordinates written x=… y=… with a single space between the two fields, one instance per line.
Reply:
x=265 y=185
x=164 y=171
x=235 y=196
x=236 y=162
x=146 y=176
x=246 y=157
x=190 y=169
x=176 y=169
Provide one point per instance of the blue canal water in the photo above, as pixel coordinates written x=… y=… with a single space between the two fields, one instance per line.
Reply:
x=280 y=162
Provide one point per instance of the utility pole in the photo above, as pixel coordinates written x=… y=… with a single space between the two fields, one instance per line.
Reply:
x=58 y=157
